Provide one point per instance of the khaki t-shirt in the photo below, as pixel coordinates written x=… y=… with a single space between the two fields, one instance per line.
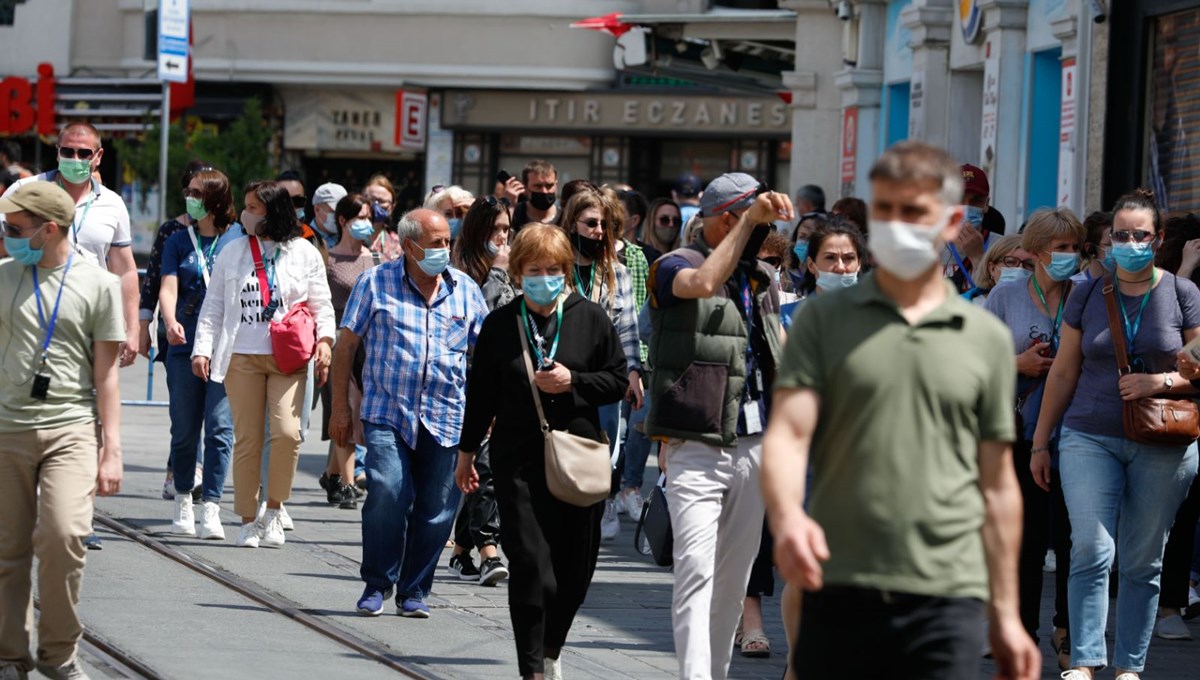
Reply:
x=90 y=312
x=895 y=454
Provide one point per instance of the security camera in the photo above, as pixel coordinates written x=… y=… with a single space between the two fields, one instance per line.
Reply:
x=845 y=10
x=1099 y=11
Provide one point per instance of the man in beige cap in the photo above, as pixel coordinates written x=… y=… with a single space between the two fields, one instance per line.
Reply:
x=61 y=334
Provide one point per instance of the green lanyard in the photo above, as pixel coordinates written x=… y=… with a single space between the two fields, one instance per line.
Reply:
x=587 y=293
x=1131 y=328
x=1058 y=318
x=538 y=340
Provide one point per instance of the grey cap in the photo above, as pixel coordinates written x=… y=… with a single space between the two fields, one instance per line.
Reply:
x=731 y=191
x=329 y=193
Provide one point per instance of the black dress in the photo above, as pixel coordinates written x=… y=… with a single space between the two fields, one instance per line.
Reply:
x=551 y=546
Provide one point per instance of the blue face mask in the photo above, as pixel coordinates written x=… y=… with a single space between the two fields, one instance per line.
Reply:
x=1062 y=266
x=378 y=214
x=543 y=290
x=973 y=216
x=20 y=251
x=832 y=281
x=300 y=214
x=435 y=262
x=1133 y=257
x=362 y=230
x=1013 y=274
x=800 y=250
x=455 y=227
x=1109 y=262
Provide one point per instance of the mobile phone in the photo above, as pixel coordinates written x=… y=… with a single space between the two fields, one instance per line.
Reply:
x=503 y=176
x=546 y=367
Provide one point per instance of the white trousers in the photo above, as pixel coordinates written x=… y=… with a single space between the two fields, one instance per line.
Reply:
x=716 y=506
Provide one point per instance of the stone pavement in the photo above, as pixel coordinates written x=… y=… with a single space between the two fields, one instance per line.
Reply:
x=187 y=626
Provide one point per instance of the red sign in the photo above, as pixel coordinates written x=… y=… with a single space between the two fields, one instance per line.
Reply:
x=411 y=109
x=24 y=105
x=849 y=147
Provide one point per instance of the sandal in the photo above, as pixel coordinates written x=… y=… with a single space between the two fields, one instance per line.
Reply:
x=756 y=644
x=737 y=636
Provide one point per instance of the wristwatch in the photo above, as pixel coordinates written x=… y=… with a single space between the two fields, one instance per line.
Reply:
x=1168 y=382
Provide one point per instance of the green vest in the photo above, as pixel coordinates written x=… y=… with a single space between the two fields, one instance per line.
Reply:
x=698 y=351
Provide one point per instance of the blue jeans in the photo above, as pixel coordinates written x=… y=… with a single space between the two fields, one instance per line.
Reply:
x=195 y=403
x=637 y=447
x=360 y=461
x=409 y=511
x=1122 y=497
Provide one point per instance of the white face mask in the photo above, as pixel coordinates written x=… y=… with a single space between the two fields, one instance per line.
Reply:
x=833 y=281
x=905 y=250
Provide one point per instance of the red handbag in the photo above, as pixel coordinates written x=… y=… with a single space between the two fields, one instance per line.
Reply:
x=293 y=338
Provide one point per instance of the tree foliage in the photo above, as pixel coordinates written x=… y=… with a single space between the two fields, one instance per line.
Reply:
x=241 y=151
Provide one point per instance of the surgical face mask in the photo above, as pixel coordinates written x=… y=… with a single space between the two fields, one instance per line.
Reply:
x=74 y=170
x=21 y=251
x=973 y=216
x=1133 y=257
x=905 y=250
x=1062 y=265
x=1108 y=262
x=455 y=227
x=800 y=250
x=300 y=214
x=542 y=201
x=195 y=208
x=251 y=222
x=362 y=230
x=775 y=276
x=833 y=281
x=435 y=261
x=329 y=224
x=1012 y=274
x=492 y=248
x=378 y=214
x=666 y=235
x=543 y=290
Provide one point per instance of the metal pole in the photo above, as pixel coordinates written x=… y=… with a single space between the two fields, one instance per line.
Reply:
x=164 y=140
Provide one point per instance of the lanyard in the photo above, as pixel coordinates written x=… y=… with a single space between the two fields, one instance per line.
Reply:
x=748 y=308
x=962 y=267
x=202 y=258
x=1131 y=328
x=1057 y=319
x=538 y=340
x=591 y=282
x=37 y=294
x=78 y=223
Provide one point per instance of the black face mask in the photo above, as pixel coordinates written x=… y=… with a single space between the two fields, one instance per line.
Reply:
x=541 y=201
x=588 y=247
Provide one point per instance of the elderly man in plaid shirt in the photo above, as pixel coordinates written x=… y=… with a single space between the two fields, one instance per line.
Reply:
x=418 y=317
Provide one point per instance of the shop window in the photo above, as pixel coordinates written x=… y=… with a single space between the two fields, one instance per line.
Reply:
x=1041 y=189
x=1173 y=125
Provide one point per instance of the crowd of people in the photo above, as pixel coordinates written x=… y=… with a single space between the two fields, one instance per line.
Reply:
x=895 y=405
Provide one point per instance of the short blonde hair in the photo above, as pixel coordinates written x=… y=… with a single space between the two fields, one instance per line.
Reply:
x=1002 y=248
x=536 y=242
x=1051 y=224
x=455 y=193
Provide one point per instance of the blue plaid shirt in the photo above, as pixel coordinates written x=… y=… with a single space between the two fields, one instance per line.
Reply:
x=416 y=367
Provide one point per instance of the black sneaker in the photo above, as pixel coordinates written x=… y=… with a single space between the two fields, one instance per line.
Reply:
x=346 y=498
x=464 y=567
x=333 y=489
x=323 y=480
x=493 y=572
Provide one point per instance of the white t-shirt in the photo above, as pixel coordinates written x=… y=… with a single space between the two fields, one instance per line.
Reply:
x=101 y=220
x=254 y=332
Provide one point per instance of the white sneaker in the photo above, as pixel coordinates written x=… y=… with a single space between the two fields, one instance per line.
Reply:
x=553 y=669
x=631 y=499
x=184 y=521
x=1074 y=674
x=1172 y=628
x=272 y=529
x=248 y=535
x=610 y=524
x=285 y=519
x=1193 y=596
x=210 y=522
x=1051 y=564
x=1129 y=676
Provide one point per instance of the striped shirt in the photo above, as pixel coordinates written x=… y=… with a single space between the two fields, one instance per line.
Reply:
x=416 y=365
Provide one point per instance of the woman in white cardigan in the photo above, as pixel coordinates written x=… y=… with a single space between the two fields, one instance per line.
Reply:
x=233 y=346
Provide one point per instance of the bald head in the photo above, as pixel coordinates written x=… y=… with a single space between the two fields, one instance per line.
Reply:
x=426 y=228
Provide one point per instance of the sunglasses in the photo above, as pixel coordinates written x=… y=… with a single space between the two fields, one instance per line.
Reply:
x=492 y=201
x=299 y=201
x=71 y=153
x=1013 y=262
x=1134 y=235
x=669 y=221
x=592 y=223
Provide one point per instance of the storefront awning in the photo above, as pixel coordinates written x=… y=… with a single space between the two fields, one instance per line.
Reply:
x=733 y=50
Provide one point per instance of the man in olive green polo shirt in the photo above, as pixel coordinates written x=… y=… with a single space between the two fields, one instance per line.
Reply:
x=902 y=392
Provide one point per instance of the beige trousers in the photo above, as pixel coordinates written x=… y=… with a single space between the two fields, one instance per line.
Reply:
x=46 y=483
x=257 y=390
